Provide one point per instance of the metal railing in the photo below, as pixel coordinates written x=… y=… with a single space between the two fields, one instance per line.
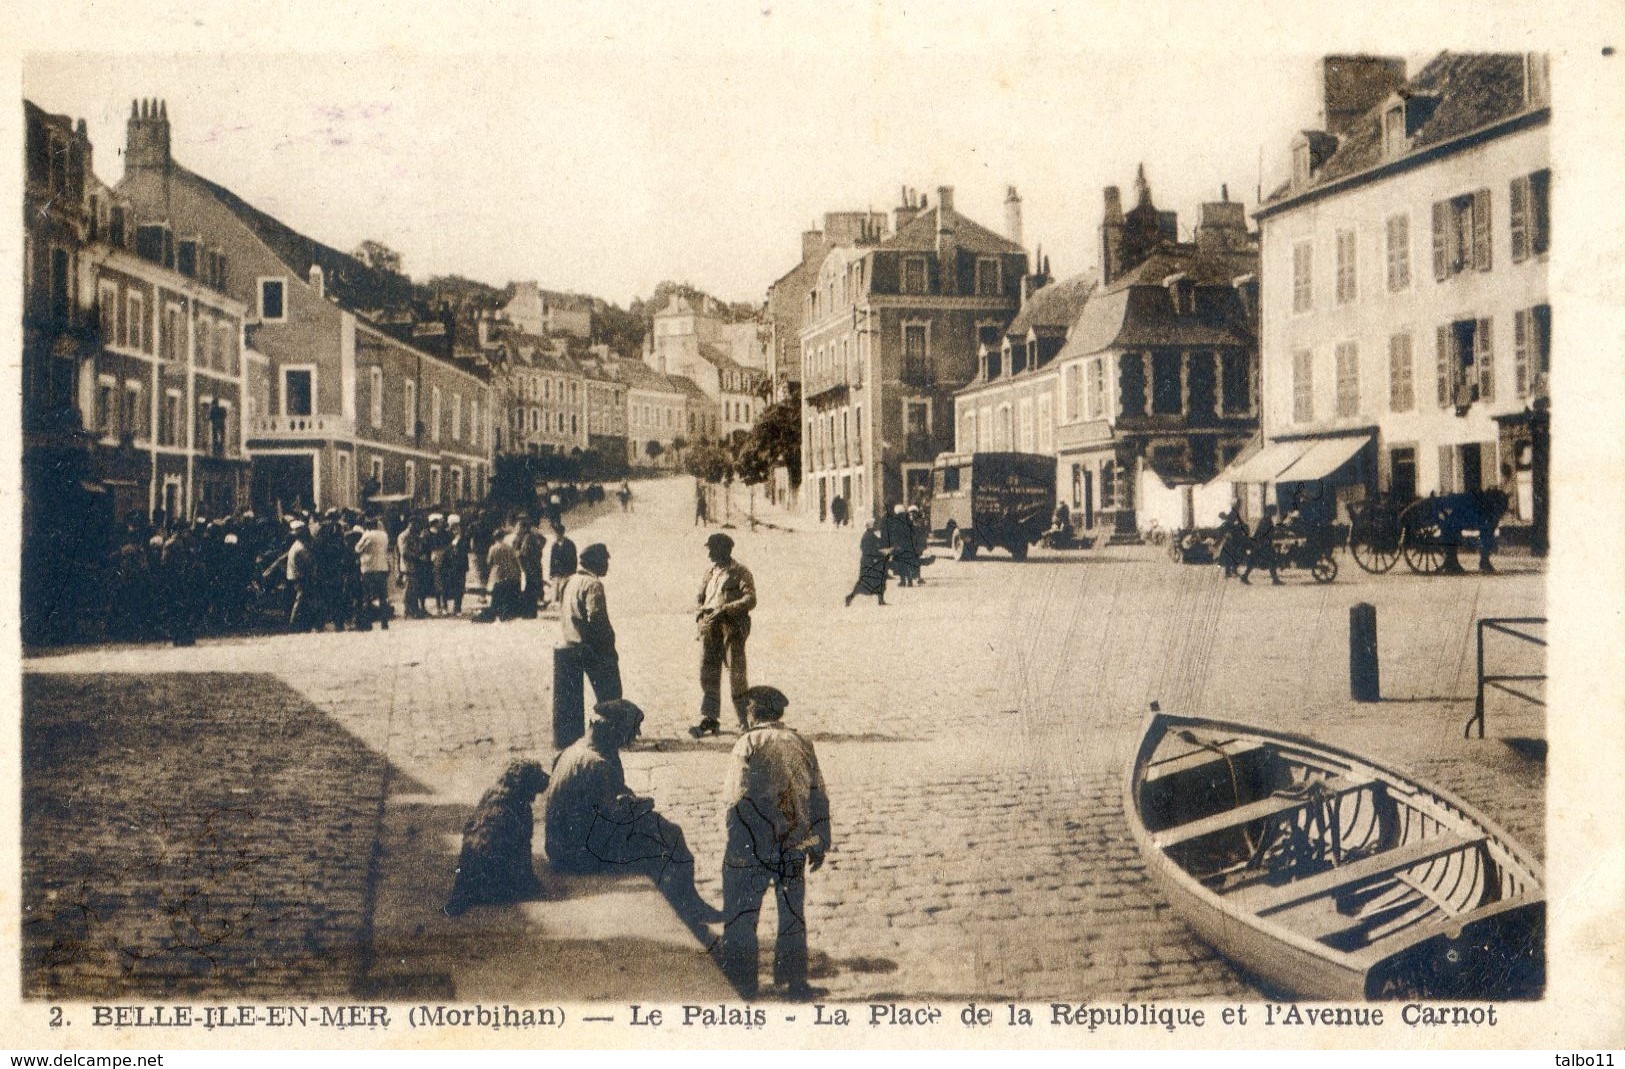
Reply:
x=1506 y=625
x=300 y=425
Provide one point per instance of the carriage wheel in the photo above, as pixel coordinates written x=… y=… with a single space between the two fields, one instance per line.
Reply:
x=1373 y=558
x=1325 y=569
x=1424 y=549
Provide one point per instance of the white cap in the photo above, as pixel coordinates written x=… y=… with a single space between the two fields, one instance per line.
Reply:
x=454 y=518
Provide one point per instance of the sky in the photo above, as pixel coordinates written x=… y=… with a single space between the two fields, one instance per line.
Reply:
x=698 y=151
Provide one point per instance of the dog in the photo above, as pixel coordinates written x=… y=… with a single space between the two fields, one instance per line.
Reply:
x=495 y=865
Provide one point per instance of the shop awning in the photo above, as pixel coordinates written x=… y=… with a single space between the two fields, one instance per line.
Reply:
x=1323 y=458
x=1266 y=465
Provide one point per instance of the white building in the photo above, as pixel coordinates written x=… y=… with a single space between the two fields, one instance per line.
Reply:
x=1406 y=328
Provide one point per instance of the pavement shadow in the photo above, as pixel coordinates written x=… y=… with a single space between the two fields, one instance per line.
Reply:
x=724 y=743
x=1527 y=748
x=582 y=938
x=192 y=834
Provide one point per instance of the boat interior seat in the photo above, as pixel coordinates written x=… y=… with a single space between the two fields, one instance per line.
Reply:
x=1263 y=898
x=1194 y=759
x=1264 y=808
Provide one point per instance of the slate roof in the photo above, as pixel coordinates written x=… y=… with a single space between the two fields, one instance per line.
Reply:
x=1472 y=89
x=345 y=278
x=920 y=234
x=720 y=359
x=1135 y=311
x=1055 y=307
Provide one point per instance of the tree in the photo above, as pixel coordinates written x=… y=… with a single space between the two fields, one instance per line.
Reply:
x=709 y=462
x=775 y=441
x=653 y=449
x=379 y=257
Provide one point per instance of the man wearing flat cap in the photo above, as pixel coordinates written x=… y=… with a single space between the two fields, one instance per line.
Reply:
x=778 y=829
x=584 y=623
x=727 y=596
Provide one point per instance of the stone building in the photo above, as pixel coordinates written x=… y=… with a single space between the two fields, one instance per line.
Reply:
x=347 y=405
x=787 y=296
x=542 y=391
x=723 y=360
x=534 y=310
x=1406 y=323
x=890 y=331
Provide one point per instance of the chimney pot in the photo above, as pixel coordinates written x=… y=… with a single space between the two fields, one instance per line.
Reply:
x=945 y=198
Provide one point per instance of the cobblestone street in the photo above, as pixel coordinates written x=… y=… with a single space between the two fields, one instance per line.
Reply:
x=974 y=731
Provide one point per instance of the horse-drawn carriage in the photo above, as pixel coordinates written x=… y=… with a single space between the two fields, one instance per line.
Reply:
x=1427 y=533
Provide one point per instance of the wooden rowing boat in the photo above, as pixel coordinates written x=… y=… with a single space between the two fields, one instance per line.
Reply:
x=1327 y=875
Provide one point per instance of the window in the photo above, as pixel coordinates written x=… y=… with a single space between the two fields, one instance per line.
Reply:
x=1401 y=374
x=1236 y=382
x=411 y=484
x=375 y=395
x=1303 y=279
x=1399 y=253
x=409 y=409
x=914 y=275
x=1001 y=431
x=1394 y=139
x=1072 y=393
x=1166 y=385
x=377 y=467
x=1531 y=215
x=1461 y=234
x=106 y=406
x=170 y=343
x=1347 y=283
x=434 y=423
x=456 y=417
x=916 y=352
x=205 y=348
x=1465 y=363
x=474 y=435
x=298 y=391
x=456 y=484
x=1348 y=379
x=169 y=430
x=1097 y=387
x=139 y=338
x=984 y=429
x=1303 y=386
x=186 y=258
x=1531 y=349
x=1046 y=423
x=134 y=416
x=1025 y=416
x=107 y=313
x=987 y=276
x=1402 y=473
x=273 y=296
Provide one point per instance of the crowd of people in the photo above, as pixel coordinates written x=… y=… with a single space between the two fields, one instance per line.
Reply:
x=307 y=570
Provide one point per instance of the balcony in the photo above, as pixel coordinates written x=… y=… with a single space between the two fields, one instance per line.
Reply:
x=301 y=427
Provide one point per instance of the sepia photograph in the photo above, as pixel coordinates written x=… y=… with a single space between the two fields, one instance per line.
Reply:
x=788 y=529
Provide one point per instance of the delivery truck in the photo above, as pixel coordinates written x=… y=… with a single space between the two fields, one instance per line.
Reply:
x=987 y=500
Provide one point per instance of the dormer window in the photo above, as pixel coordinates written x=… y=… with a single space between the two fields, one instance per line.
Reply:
x=1181 y=293
x=914 y=275
x=1537 y=80
x=994 y=362
x=186 y=258
x=1394 y=139
x=1301 y=168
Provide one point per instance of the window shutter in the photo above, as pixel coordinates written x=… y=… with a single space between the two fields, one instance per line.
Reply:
x=1481 y=230
x=1441 y=224
x=1447 y=469
x=1520 y=351
x=1520 y=219
x=1484 y=358
x=1444 y=366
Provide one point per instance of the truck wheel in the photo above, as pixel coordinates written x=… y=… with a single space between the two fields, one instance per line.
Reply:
x=964 y=546
x=1018 y=551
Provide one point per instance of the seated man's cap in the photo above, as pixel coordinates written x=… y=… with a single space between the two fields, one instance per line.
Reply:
x=771 y=697
x=719 y=539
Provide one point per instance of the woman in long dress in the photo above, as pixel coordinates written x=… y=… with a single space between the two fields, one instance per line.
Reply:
x=871 y=564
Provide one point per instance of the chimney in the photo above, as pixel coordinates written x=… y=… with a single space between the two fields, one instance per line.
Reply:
x=1012 y=215
x=1353 y=85
x=906 y=210
x=1222 y=225
x=1111 y=237
x=318 y=281
x=146 y=143
x=945 y=198
x=811 y=242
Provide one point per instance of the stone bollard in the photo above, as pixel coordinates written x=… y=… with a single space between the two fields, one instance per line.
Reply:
x=1364 y=677
x=569 y=698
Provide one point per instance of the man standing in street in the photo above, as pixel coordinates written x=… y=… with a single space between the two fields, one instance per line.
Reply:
x=727 y=596
x=528 y=544
x=1262 y=551
x=373 y=549
x=778 y=829
x=561 y=561
x=585 y=627
x=503 y=572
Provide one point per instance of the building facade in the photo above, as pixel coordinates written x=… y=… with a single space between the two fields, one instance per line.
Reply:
x=1406 y=322
x=343 y=409
x=890 y=332
x=722 y=359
